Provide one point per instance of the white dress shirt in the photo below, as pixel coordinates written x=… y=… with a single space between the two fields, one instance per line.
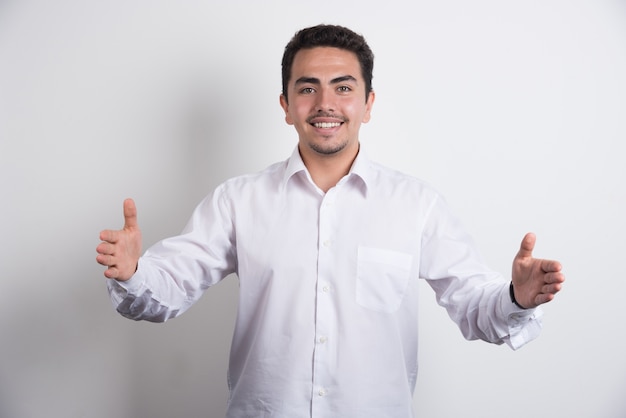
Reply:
x=328 y=301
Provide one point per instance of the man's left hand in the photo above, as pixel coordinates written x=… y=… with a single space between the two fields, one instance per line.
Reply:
x=535 y=281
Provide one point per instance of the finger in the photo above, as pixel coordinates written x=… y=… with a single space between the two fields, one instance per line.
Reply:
x=130 y=214
x=551 y=288
x=527 y=246
x=105 y=248
x=550 y=266
x=108 y=235
x=544 y=298
x=111 y=273
x=555 y=277
x=105 y=260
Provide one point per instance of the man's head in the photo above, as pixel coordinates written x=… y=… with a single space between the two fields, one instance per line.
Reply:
x=327 y=77
x=329 y=36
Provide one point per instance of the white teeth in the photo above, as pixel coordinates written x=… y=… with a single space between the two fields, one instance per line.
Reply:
x=326 y=125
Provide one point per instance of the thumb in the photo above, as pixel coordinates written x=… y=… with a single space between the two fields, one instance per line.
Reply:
x=130 y=214
x=527 y=246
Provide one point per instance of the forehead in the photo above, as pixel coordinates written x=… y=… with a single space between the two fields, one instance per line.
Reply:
x=325 y=60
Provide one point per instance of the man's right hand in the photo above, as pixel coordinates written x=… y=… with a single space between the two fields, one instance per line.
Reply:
x=120 y=250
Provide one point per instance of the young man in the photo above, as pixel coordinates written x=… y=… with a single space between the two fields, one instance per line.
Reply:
x=328 y=247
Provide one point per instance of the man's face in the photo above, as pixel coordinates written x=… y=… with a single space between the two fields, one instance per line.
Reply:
x=326 y=101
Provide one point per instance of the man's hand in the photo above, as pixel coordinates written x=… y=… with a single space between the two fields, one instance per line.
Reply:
x=120 y=250
x=535 y=281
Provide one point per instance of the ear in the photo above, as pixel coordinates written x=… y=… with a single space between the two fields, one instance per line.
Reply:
x=285 y=105
x=368 y=106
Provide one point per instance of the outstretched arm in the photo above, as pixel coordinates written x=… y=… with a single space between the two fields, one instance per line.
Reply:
x=535 y=281
x=120 y=250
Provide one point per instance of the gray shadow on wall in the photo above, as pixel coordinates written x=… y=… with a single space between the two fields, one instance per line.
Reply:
x=179 y=367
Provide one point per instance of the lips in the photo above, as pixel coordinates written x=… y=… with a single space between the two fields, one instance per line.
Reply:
x=326 y=125
x=326 y=121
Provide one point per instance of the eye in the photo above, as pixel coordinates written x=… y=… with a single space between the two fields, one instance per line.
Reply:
x=344 y=89
x=307 y=90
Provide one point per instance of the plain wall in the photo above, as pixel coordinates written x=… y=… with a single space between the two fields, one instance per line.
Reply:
x=514 y=110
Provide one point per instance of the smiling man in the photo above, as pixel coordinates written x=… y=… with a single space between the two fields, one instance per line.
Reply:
x=329 y=248
x=326 y=101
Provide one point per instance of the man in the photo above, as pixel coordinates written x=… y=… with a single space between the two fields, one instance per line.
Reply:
x=328 y=247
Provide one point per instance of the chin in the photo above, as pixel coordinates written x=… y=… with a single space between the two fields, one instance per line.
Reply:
x=328 y=149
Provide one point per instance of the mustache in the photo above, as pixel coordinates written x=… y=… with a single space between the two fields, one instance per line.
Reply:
x=326 y=115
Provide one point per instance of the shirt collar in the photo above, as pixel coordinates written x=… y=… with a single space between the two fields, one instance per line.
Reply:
x=361 y=167
x=294 y=165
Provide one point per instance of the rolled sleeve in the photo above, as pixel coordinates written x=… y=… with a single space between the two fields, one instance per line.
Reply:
x=524 y=325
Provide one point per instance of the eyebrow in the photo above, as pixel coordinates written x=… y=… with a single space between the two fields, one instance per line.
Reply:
x=314 y=80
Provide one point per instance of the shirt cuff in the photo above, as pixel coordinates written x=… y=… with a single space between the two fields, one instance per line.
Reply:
x=119 y=290
x=524 y=324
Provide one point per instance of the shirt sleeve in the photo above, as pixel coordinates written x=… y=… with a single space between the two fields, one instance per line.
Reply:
x=175 y=272
x=475 y=297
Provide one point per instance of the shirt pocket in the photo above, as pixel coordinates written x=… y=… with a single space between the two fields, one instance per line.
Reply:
x=382 y=278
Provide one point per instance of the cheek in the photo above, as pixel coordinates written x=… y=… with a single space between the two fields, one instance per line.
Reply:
x=365 y=112
x=299 y=112
x=356 y=112
x=295 y=114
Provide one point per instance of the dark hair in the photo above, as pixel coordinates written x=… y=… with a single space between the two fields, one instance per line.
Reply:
x=329 y=36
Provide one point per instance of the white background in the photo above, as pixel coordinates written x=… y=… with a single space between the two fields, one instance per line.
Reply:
x=514 y=110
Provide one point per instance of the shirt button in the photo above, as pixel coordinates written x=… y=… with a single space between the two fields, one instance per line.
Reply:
x=323 y=340
x=322 y=392
x=325 y=289
x=327 y=243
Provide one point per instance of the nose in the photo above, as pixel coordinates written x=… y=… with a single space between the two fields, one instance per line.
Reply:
x=325 y=100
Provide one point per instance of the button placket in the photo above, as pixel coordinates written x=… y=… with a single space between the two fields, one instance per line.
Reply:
x=324 y=305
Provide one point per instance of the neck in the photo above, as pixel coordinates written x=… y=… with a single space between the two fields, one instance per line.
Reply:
x=327 y=170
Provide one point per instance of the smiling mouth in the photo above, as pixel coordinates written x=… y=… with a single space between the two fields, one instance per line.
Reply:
x=326 y=125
